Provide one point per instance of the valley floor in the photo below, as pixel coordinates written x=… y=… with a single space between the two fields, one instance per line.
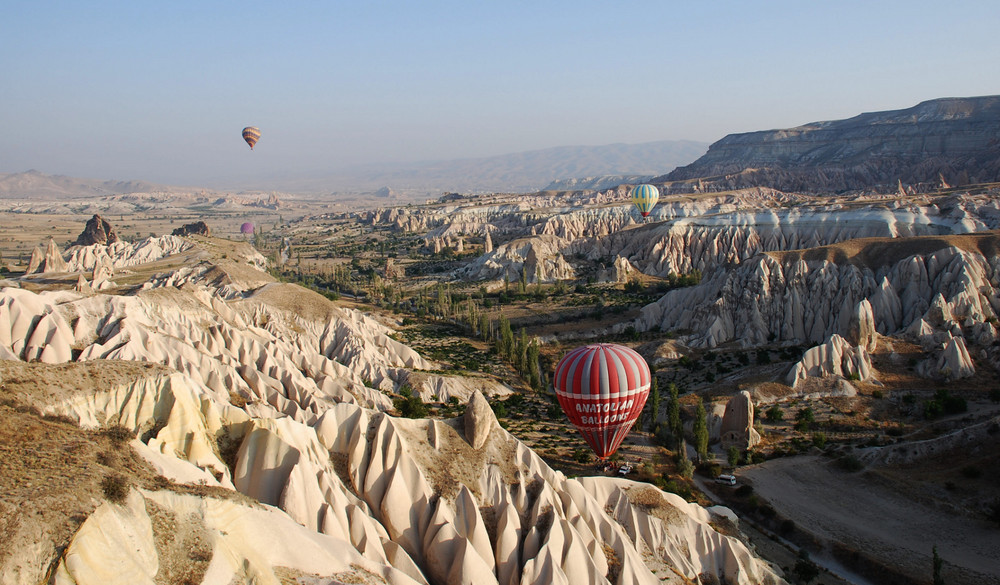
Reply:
x=856 y=511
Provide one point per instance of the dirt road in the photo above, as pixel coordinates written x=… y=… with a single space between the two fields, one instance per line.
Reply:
x=854 y=510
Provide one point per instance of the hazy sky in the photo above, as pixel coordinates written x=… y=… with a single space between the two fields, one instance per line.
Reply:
x=159 y=91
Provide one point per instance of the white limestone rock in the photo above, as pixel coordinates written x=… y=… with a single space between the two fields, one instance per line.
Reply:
x=836 y=357
x=951 y=363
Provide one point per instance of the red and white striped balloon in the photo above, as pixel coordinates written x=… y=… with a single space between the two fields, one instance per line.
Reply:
x=602 y=389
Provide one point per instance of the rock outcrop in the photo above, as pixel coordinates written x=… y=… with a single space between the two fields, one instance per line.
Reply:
x=836 y=357
x=198 y=228
x=407 y=500
x=49 y=260
x=97 y=231
x=539 y=259
x=951 y=363
x=807 y=297
x=951 y=141
x=737 y=423
x=123 y=254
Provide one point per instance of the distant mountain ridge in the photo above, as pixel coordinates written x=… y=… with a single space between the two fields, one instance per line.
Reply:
x=32 y=184
x=515 y=173
x=955 y=139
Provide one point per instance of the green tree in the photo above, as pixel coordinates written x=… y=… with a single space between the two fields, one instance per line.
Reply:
x=700 y=430
x=410 y=405
x=774 y=414
x=733 y=456
x=684 y=466
x=674 y=415
x=505 y=341
x=805 y=569
x=938 y=565
x=654 y=402
x=804 y=419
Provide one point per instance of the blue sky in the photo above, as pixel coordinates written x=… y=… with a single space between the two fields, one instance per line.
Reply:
x=160 y=91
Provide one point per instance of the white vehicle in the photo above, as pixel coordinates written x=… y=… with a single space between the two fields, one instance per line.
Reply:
x=726 y=479
x=625 y=469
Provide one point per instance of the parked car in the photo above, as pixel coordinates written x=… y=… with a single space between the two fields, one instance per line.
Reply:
x=726 y=479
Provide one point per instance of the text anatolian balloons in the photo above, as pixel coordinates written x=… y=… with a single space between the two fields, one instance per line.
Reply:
x=602 y=389
x=251 y=134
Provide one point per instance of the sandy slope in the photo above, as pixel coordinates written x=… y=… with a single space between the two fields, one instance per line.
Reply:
x=854 y=509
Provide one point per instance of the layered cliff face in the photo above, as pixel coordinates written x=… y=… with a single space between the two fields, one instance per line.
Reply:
x=723 y=230
x=954 y=140
x=941 y=292
x=539 y=259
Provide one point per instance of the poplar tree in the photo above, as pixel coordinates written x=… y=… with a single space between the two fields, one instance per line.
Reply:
x=674 y=414
x=700 y=431
x=654 y=403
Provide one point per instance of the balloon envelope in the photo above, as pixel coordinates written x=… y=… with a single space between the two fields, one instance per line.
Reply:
x=246 y=228
x=602 y=389
x=645 y=197
x=251 y=134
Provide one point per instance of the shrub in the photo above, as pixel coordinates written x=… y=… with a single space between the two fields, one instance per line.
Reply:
x=850 y=463
x=744 y=491
x=806 y=570
x=774 y=414
x=733 y=456
x=711 y=470
x=679 y=488
x=410 y=405
x=118 y=435
x=115 y=488
x=993 y=512
x=944 y=403
x=971 y=472
x=995 y=395
x=819 y=440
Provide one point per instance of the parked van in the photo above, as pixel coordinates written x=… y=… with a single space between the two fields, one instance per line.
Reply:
x=726 y=479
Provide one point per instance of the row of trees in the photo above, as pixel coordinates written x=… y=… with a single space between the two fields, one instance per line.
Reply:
x=670 y=431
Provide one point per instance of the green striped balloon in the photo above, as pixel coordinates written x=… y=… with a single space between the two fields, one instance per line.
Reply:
x=645 y=197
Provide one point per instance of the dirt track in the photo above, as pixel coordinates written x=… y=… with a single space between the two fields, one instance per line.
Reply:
x=849 y=508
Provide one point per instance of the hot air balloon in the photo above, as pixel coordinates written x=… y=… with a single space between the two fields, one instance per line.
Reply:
x=645 y=197
x=602 y=389
x=251 y=134
x=246 y=228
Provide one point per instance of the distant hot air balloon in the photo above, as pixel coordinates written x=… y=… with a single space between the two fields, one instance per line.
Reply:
x=246 y=228
x=251 y=134
x=645 y=197
x=602 y=389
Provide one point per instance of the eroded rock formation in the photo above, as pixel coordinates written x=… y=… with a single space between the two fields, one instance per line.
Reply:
x=48 y=260
x=97 y=231
x=198 y=228
x=932 y=144
x=737 y=423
